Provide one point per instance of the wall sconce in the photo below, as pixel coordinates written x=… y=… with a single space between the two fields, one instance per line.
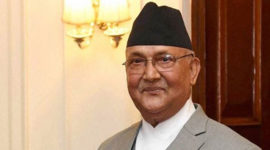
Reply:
x=85 y=15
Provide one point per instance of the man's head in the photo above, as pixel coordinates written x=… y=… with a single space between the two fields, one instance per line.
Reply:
x=161 y=67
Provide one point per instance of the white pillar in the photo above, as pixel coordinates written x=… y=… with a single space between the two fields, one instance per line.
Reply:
x=12 y=134
x=44 y=65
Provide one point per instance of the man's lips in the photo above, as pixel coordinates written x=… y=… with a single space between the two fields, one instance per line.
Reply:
x=152 y=89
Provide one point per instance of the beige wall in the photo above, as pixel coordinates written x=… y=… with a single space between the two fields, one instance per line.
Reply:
x=11 y=76
x=44 y=75
x=98 y=103
x=32 y=104
x=53 y=95
x=4 y=65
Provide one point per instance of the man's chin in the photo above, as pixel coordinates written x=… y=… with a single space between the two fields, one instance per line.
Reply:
x=153 y=109
x=154 y=115
x=153 y=103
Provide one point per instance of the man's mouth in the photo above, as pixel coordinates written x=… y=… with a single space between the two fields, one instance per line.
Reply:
x=153 y=90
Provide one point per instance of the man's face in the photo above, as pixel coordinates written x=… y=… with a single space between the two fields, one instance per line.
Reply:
x=159 y=93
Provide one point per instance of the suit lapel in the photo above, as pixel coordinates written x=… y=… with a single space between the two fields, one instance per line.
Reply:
x=185 y=141
x=191 y=137
x=130 y=137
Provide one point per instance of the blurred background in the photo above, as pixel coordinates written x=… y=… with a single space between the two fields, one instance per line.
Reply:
x=55 y=95
x=63 y=86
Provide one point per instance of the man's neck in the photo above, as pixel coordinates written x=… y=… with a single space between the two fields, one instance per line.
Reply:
x=160 y=136
x=163 y=116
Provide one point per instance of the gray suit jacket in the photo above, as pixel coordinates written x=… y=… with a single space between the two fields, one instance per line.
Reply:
x=200 y=132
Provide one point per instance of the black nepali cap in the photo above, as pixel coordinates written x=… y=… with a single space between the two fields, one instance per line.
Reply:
x=159 y=26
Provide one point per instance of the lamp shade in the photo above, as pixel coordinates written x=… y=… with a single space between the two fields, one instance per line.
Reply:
x=113 y=11
x=78 y=12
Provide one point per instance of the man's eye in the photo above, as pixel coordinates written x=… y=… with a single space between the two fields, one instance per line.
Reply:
x=165 y=59
x=137 y=61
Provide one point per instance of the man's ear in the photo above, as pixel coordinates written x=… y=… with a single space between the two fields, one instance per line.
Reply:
x=195 y=68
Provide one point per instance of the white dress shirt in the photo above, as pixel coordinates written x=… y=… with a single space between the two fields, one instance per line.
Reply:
x=160 y=137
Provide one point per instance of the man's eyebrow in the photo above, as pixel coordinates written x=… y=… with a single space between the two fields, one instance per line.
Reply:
x=162 y=53
x=142 y=55
x=136 y=54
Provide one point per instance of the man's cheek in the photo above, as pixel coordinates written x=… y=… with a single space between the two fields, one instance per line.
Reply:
x=133 y=81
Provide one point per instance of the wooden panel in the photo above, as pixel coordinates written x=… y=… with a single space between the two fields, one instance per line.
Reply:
x=265 y=76
x=239 y=75
x=232 y=72
x=198 y=44
x=239 y=63
x=211 y=58
x=237 y=82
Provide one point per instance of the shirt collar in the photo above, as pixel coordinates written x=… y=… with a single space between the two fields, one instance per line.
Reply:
x=171 y=127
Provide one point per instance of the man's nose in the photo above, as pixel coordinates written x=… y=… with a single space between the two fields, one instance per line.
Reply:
x=150 y=72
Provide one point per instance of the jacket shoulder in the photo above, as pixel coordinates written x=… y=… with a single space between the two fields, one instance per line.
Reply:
x=220 y=136
x=122 y=138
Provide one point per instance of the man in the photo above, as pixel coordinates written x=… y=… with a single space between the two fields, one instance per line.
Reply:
x=161 y=69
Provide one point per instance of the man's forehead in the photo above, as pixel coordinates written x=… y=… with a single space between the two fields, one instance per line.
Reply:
x=153 y=49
